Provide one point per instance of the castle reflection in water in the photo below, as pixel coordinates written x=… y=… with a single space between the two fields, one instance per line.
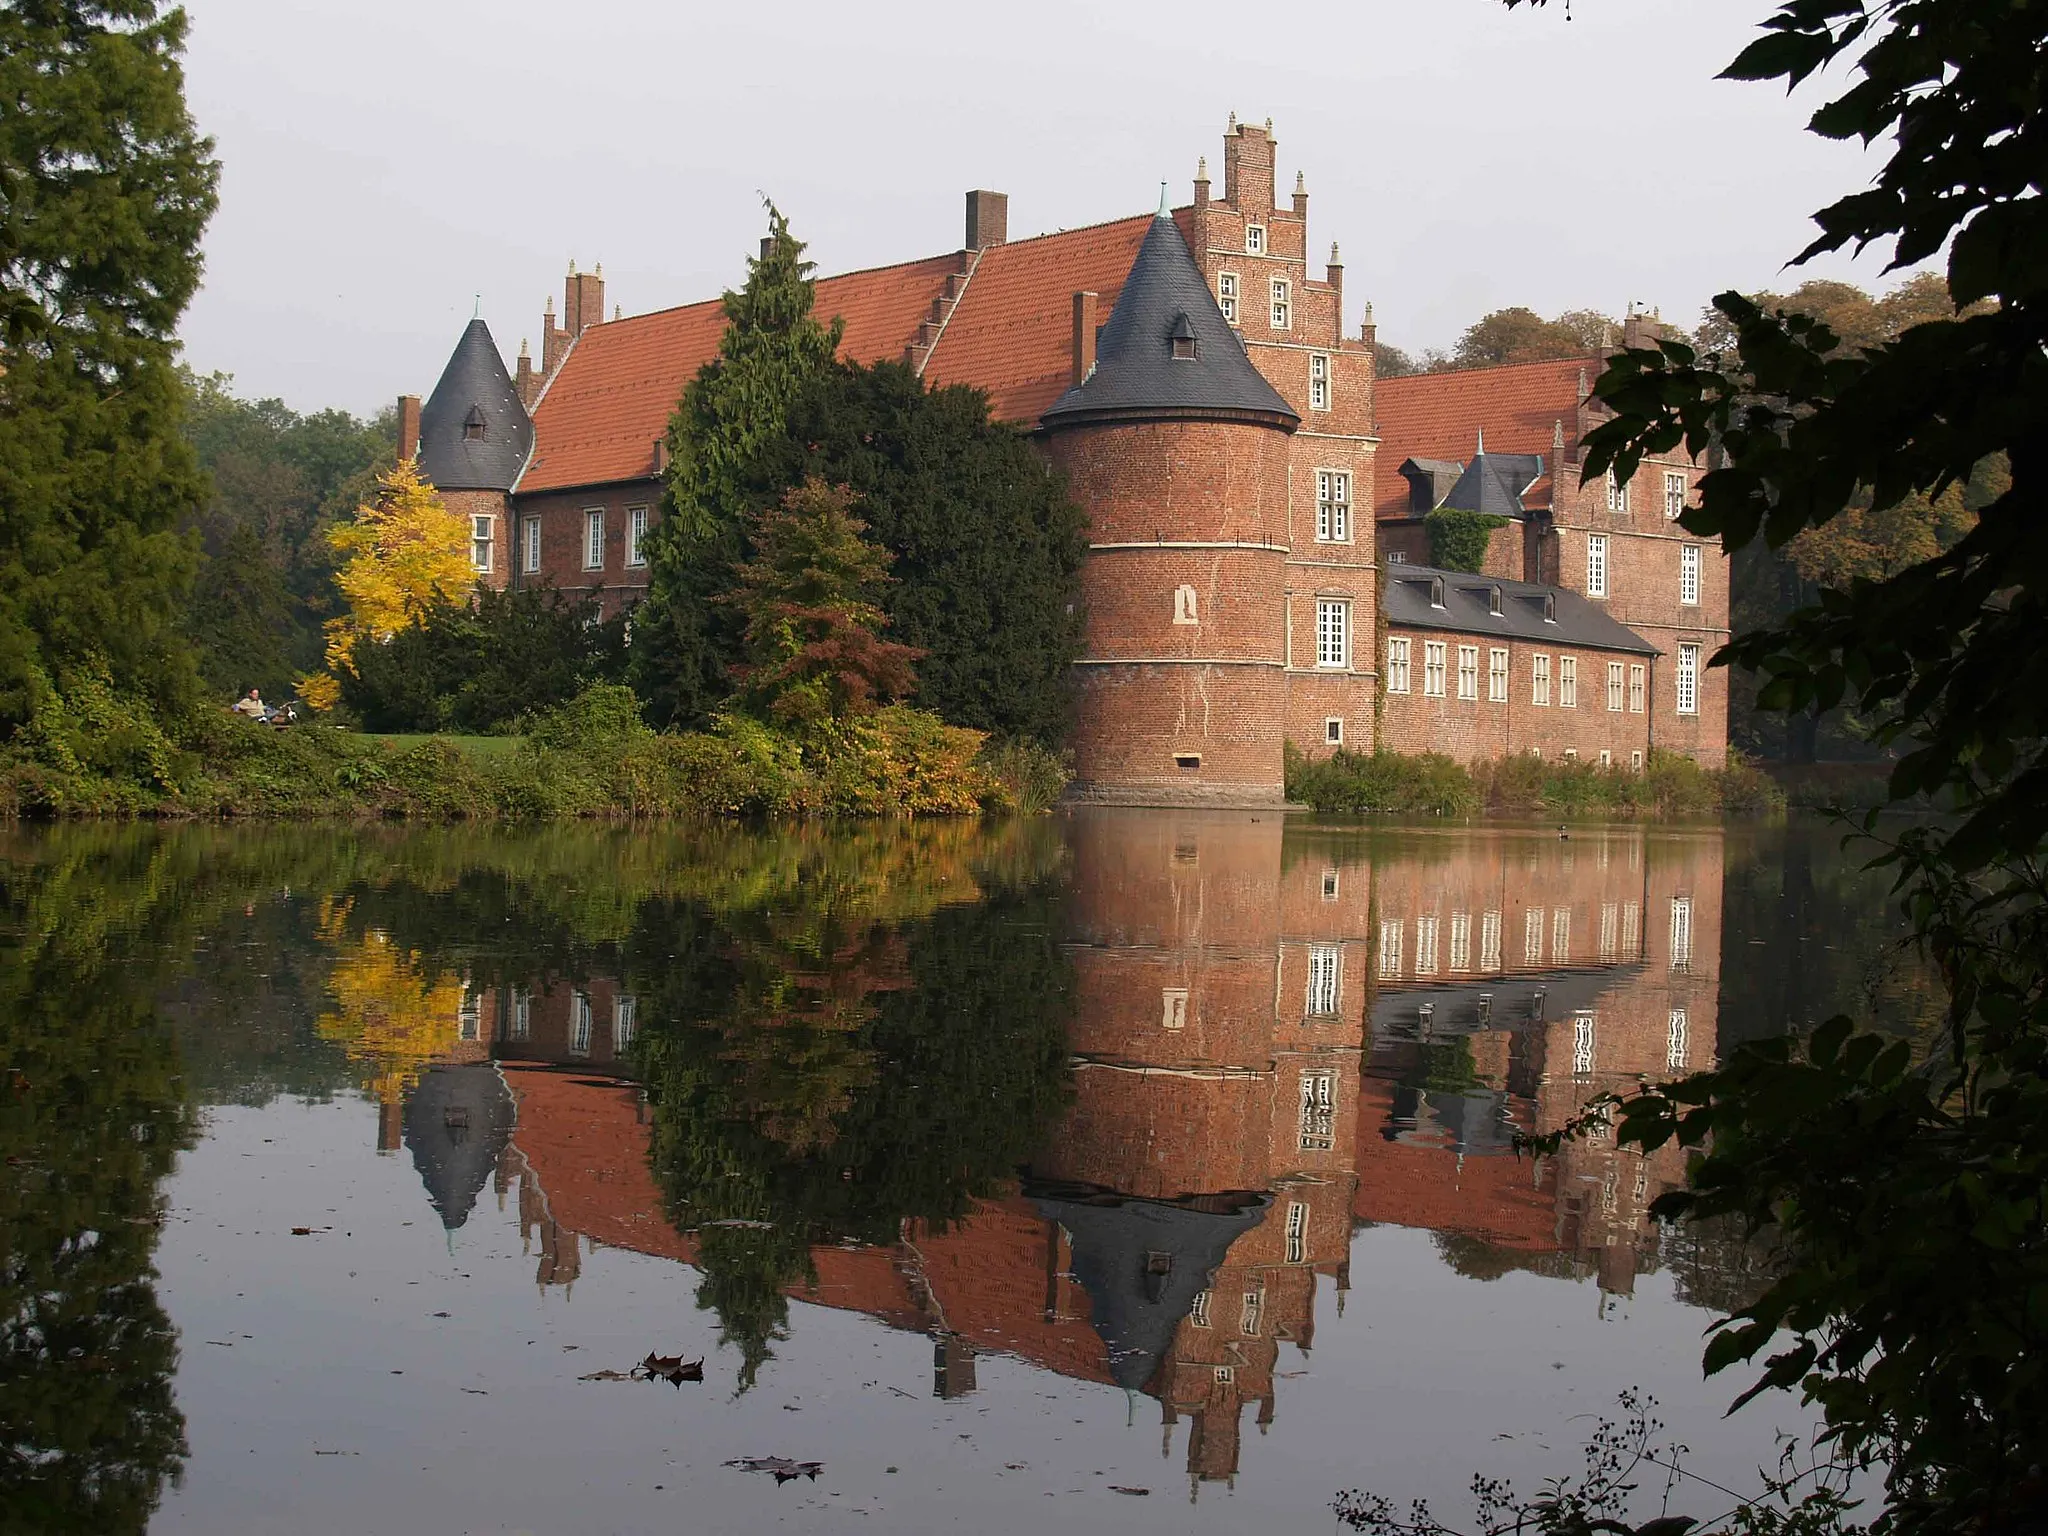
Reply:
x=1281 y=1033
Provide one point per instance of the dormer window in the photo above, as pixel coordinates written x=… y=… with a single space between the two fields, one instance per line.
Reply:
x=1550 y=607
x=1493 y=601
x=1436 y=592
x=1182 y=340
x=473 y=426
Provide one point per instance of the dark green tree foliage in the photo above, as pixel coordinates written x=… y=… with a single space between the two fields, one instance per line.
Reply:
x=1908 y=1195
x=105 y=187
x=1458 y=537
x=280 y=479
x=987 y=543
x=479 y=667
x=772 y=348
x=92 y=1113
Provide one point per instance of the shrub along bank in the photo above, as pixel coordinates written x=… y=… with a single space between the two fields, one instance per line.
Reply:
x=592 y=757
x=1432 y=784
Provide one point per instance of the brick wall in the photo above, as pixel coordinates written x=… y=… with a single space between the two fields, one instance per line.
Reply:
x=1474 y=729
x=563 y=525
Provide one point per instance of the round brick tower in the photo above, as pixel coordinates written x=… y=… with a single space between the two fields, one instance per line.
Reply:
x=1177 y=449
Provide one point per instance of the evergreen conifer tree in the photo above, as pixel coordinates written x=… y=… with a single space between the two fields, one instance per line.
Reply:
x=105 y=188
x=772 y=347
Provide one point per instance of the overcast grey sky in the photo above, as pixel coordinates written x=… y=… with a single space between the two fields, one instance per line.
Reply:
x=388 y=162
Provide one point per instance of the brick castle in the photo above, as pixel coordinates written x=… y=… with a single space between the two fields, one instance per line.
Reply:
x=1259 y=568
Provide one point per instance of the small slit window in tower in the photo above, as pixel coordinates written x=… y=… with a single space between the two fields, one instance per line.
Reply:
x=1183 y=339
x=1184 y=610
x=1187 y=761
x=473 y=425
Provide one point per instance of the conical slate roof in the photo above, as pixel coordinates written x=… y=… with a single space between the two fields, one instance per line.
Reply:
x=1143 y=367
x=458 y=1121
x=474 y=433
x=1142 y=1265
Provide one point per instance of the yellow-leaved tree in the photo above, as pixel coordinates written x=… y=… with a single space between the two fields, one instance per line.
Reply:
x=403 y=553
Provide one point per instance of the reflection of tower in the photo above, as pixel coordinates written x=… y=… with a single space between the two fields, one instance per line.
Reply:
x=1202 y=1178
x=1520 y=977
x=458 y=1120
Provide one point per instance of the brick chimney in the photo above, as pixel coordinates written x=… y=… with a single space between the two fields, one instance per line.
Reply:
x=1248 y=154
x=1084 y=336
x=524 y=379
x=582 y=300
x=988 y=219
x=408 y=427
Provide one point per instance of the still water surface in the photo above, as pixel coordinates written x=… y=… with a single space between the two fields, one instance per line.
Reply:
x=1134 y=1171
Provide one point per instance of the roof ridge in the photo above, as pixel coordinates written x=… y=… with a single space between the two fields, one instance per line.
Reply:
x=1579 y=359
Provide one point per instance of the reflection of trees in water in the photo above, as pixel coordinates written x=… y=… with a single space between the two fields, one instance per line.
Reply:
x=92 y=1112
x=821 y=1073
x=393 y=1012
x=1712 y=1265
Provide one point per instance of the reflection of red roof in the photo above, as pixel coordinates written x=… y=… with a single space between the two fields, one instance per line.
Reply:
x=1440 y=416
x=1407 y=1184
x=1011 y=334
x=987 y=1276
x=584 y=1140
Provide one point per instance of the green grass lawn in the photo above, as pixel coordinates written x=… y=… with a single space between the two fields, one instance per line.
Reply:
x=475 y=746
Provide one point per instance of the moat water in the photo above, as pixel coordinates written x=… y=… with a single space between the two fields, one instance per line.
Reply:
x=1124 y=1170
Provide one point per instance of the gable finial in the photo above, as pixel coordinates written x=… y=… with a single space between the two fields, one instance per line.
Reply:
x=477 y=310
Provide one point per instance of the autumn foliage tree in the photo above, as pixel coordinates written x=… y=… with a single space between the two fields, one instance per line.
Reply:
x=814 y=646
x=404 y=555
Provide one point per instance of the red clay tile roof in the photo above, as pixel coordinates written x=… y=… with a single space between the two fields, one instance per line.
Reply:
x=1010 y=334
x=1440 y=415
x=613 y=394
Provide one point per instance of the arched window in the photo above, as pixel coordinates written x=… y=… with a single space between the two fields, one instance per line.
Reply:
x=1493 y=601
x=1550 y=607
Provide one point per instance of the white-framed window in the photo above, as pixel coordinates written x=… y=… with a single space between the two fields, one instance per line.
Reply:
x=480 y=541
x=1390 y=946
x=1173 y=1008
x=1318 y=381
x=1631 y=927
x=1333 y=731
x=1539 y=680
x=1635 y=759
x=1616 y=672
x=530 y=546
x=1225 y=1375
x=579 y=1024
x=1333 y=506
x=1617 y=493
x=1532 y=936
x=1198 y=1314
x=1397 y=664
x=1596 y=565
x=1675 y=1042
x=1567 y=682
x=1333 y=632
x=1468 y=672
x=1675 y=489
x=1318 y=1110
x=1297 y=1231
x=1325 y=979
x=1255 y=239
x=1283 y=304
x=1497 y=675
x=1560 y=935
x=521 y=1023
x=470 y=1018
x=593 y=539
x=625 y=1021
x=1610 y=930
x=1433 y=668
x=1248 y=1319
x=1681 y=933
x=1461 y=941
x=1635 y=688
x=1489 y=941
x=1582 y=1045
x=636 y=535
x=1226 y=295
x=1330 y=885
x=1686 y=679
x=1689 y=575
x=1425 y=945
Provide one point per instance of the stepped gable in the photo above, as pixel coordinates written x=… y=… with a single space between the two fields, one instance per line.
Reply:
x=1439 y=416
x=474 y=433
x=1012 y=331
x=458 y=1121
x=1167 y=351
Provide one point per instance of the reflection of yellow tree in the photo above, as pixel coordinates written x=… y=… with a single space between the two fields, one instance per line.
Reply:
x=389 y=1013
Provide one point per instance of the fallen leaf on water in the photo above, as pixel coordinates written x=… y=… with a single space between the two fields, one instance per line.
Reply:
x=609 y=1376
x=476 y=1391
x=1136 y=1493
x=670 y=1368
x=781 y=1468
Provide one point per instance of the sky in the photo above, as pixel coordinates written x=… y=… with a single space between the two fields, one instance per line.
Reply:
x=390 y=167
